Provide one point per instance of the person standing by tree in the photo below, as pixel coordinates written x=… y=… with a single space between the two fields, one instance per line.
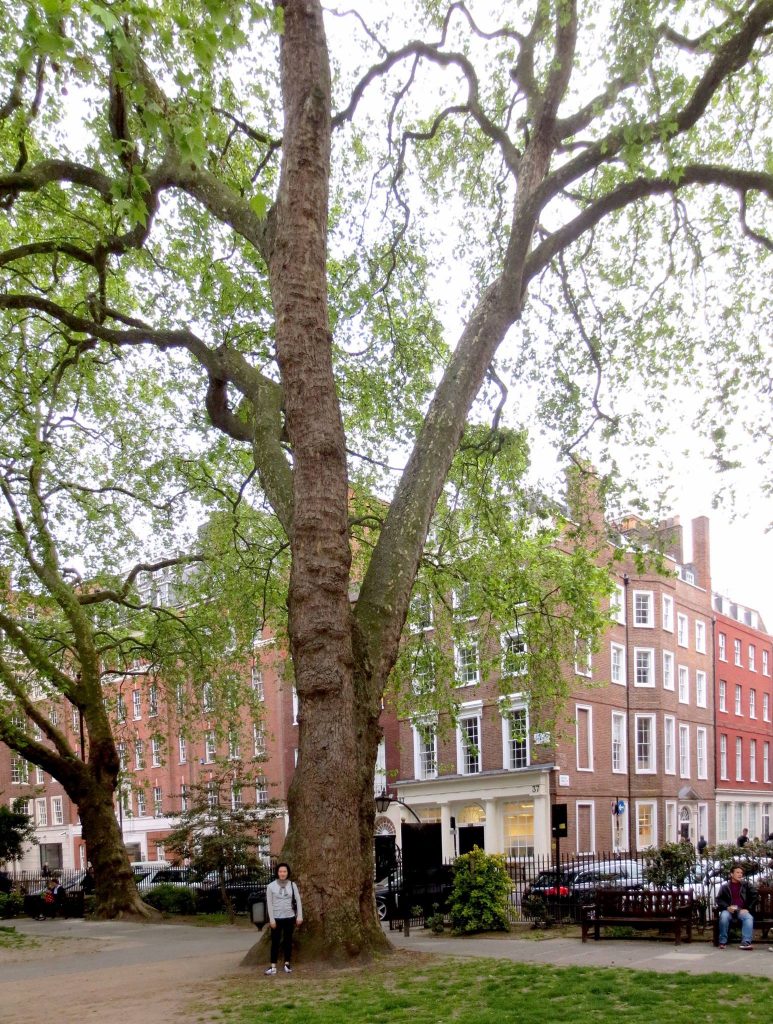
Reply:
x=284 y=913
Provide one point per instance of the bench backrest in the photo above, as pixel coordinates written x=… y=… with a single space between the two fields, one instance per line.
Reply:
x=645 y=902
x=764 y=905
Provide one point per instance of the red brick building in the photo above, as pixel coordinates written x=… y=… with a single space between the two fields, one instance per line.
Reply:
x=633 y=756
x=744 y=734
x=166 y=747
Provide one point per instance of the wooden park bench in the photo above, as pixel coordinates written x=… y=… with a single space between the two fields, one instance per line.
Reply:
x=762 y=914
x=664 y=909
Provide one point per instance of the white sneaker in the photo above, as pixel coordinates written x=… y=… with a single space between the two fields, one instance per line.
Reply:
x=288 y=969
x=271 y=970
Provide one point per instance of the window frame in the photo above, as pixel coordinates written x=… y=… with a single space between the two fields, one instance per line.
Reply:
x=651 y=675
x=669 y=678
x=210 y=746
x=701 y=688
x=621 y=719
x=684 y=750
x=667 y=612
x=682 y=630
x=470 y=644
x=700 y=636
x=464 y=757
x=619 y=650
x=514 y=707
x=647 y=606
x=652 y=840
x=683 y=684
x=422 y=733
x=652 y=741
x=669 y=745
x=617 y=607
x=508 y=638
x=590 y=751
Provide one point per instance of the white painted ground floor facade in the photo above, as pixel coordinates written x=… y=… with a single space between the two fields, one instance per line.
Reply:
x=737 y=810
x=503 y=812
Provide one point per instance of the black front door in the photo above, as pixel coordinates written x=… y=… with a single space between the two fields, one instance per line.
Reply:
x=469 y=836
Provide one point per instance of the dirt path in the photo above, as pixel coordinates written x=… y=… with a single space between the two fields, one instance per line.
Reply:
x=117 y=972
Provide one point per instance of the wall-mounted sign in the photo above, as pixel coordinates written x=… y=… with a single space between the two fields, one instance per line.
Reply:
x=563 y=780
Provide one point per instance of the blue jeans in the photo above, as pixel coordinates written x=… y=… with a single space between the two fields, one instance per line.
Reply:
x=747 y=925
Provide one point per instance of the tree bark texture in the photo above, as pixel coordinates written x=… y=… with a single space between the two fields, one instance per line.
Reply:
x=330 y=840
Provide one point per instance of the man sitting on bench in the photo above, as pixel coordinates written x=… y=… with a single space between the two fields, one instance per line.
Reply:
x=735 y=901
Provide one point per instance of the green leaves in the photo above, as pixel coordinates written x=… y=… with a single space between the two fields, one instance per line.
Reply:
x=259 y=205
x=480 y=894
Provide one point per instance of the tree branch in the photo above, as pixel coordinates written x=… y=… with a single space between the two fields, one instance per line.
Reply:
x=221 y=364
x=432 y=53
x=48 y=171
x=641 y=188
x=730 y=57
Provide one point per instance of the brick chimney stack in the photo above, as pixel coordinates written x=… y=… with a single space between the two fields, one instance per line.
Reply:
x=701 y=552
x=670 y=534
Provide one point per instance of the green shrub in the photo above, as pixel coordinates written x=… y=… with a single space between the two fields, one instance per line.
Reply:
x=171 y=899
x=481 y=893
x=11 y=904
x=668 y=866
x=435 y=921
x=536 y=910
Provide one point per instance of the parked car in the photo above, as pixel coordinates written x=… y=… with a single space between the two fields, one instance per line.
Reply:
x=180 y=876
x=403 y=894
x=566 y=889
x=238 y=885
x=549 y=883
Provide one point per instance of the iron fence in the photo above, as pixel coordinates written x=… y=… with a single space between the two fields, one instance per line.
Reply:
x=25 y=882
x=550 y=890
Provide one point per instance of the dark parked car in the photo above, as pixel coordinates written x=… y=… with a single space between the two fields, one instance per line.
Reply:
x=554 y=882
x=564 y=891
x=397 y=897
x=238 y=885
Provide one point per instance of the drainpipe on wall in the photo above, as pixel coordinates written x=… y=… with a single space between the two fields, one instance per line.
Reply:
x=630 y=747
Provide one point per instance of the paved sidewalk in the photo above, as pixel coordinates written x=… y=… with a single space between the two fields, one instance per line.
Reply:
x=643 y=955
x=89 y=972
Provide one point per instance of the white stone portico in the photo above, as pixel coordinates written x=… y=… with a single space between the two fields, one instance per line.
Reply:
x=511 y=807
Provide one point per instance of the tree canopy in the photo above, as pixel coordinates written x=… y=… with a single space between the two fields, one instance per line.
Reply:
x=352 y=232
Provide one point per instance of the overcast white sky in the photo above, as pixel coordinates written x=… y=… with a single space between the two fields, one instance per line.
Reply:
x=741 y=551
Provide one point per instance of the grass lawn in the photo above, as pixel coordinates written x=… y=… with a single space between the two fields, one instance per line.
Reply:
x=493 y=992
x=11 y=939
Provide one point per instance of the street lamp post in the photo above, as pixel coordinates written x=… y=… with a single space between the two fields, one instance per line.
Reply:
x=383 y=800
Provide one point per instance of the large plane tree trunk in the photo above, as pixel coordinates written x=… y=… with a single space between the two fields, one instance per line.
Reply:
x=330 y=842
x=115 y=890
